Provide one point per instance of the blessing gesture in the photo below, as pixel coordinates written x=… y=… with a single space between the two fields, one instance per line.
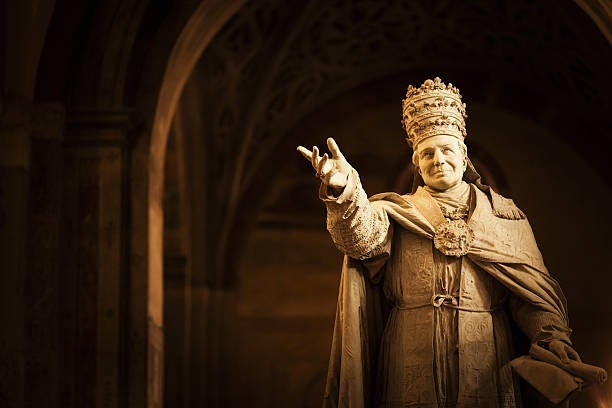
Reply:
x=333 y=171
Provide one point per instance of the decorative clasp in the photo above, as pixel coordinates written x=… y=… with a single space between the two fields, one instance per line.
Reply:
x=453 y=238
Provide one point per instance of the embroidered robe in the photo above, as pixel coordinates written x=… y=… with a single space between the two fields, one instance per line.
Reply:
x=423 y=352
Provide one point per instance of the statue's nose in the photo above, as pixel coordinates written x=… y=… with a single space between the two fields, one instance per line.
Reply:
x=438 y=157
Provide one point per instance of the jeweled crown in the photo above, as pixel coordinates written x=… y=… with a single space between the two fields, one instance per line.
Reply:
x=433 y=109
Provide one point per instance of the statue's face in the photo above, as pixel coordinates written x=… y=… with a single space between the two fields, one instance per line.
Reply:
x=441 y=162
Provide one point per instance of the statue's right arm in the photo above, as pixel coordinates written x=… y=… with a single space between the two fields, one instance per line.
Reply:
x=358 y=228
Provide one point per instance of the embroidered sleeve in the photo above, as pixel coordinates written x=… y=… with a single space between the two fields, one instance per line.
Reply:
x=540 y=326
x=357 y=228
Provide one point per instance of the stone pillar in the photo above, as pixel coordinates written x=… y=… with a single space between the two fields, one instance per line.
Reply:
x=213 y=345
x=24 y=24
x=177 y=305
x=94 y=270
x=200 y=335
x=42 y=281
x=14 y=180
x=144 y=297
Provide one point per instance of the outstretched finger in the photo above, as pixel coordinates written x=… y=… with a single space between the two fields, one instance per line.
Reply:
x=321 y=165
x=305 y=152
x=334 y=149
x=315 y=157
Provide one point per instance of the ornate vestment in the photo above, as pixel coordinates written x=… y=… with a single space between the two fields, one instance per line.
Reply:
x=417 y=328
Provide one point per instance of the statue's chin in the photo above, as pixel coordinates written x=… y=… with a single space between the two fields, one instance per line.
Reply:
x=442 y=185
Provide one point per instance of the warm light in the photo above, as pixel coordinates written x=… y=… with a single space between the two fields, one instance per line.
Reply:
x=602 y=396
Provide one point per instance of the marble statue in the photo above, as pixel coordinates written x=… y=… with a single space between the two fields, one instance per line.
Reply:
x=432 y=280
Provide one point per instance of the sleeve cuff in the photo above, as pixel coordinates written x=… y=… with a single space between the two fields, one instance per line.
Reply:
x=347 y=195
x=552 y=332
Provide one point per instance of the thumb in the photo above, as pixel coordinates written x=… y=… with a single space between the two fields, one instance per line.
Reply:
x=334 y=149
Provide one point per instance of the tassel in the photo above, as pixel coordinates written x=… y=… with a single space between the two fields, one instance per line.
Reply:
x=505 y=207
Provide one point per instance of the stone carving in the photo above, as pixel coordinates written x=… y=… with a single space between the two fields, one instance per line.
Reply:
x=485 y=266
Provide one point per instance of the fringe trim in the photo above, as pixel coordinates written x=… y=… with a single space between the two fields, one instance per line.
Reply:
x=505 y=208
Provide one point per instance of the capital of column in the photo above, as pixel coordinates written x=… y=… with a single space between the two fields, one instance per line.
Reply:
x=92 y=127
x=14 y=111
x=15 y=114
x=48 y=121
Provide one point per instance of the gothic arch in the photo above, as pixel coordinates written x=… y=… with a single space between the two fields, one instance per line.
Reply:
x=166 y=80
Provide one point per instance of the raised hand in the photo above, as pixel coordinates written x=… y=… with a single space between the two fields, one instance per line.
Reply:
x=333 y=171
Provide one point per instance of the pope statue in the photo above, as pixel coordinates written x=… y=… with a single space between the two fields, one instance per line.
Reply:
x=433 y=281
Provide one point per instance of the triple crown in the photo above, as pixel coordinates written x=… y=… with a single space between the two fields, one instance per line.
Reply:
x=433 y=109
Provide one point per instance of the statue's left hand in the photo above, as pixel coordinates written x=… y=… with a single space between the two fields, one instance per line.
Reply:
x=564 y=351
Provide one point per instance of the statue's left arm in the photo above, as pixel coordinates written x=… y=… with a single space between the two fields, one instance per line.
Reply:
x=544 y=328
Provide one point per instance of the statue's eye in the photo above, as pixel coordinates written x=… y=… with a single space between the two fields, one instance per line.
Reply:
x=426 y=154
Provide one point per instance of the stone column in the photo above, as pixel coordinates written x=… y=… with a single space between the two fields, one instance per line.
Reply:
x=14 y=179
x=42 y=280
x=213 y=353
x=144 y=297
x=177 y=305
x=94 y=256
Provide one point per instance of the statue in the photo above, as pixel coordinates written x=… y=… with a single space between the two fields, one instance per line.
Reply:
x=431 y=279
